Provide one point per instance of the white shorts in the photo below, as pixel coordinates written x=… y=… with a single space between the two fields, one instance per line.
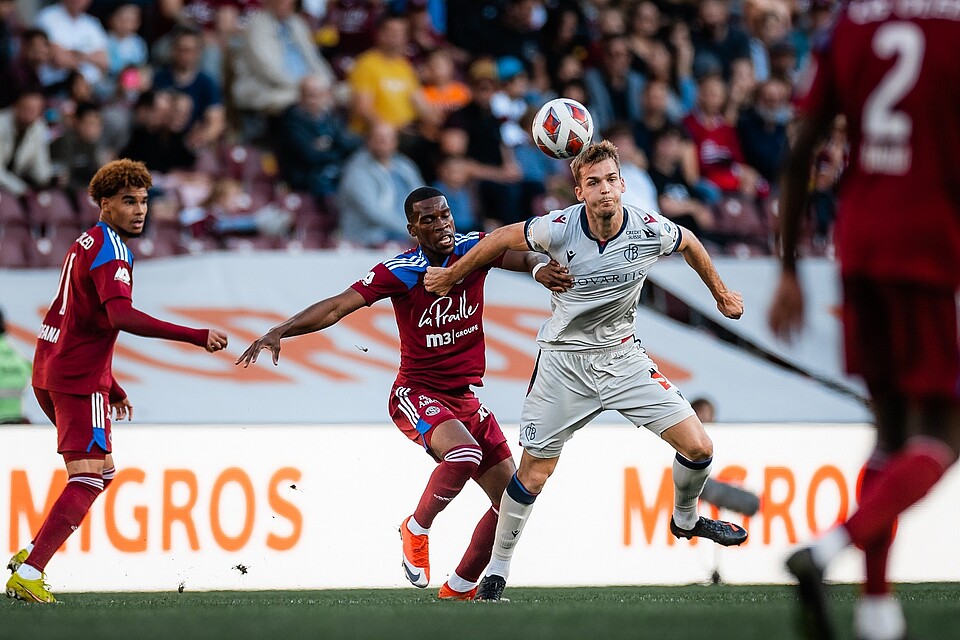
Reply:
x=570 y=388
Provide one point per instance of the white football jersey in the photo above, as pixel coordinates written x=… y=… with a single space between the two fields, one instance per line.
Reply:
x=601 y=308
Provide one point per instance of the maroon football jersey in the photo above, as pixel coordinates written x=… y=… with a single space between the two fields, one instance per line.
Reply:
x=893 y=69
x=75 y=344
x=441 y=338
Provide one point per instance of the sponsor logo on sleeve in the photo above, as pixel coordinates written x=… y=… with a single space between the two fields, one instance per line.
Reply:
x=561 y=219
x=122 y=275
x=367 y=279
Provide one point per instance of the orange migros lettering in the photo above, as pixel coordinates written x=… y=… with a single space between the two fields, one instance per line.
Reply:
x=285 y=509
x=781 y=508
x=128 y=544
x=633 y=501
x=824 y=474
x=227 y=542
x=179 y=513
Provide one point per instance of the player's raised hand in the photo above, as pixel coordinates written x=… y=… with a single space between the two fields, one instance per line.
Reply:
x=786 y=312
x=122 y=409
x=216 y=340
x=269 y=340
x=437 y=280
x=554 y=276
x=730 y=305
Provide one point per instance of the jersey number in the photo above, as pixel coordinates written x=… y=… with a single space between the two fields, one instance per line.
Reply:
x=64 y=287
x=886 y=130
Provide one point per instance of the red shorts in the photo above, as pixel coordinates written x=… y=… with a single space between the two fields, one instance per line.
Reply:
x=902 y=337
x=82 y=422
x=417 y=411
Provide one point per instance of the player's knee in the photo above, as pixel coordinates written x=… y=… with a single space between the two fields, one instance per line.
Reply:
x=701 y=448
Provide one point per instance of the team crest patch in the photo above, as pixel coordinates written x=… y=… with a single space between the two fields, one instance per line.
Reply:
x=432 y=410
x=123 y=275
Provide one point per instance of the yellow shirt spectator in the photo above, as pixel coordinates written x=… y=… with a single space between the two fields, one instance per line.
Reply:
x=391 y=83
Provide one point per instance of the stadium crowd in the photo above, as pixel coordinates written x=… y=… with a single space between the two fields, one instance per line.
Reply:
x=277 y=124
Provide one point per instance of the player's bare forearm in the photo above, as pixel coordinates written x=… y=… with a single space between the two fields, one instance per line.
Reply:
x=796 y=179
x=730 y=303
x=320 y=315
x=439 y=280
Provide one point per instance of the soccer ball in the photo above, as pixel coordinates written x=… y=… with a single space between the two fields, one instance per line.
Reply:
x=562 y=128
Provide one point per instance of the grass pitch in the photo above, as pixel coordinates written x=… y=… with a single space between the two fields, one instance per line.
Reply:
x=696 y=612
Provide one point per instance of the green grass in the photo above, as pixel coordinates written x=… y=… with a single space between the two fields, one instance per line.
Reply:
x=671 y=613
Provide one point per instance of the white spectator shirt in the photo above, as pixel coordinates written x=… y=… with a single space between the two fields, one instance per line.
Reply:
x=83 y=33
x=641 y=192
x=600 y=310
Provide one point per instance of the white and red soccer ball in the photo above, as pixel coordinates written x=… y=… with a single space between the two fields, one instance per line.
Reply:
x=562 y=128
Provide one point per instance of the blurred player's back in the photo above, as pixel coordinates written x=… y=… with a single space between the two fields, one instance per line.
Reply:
x=893 y=69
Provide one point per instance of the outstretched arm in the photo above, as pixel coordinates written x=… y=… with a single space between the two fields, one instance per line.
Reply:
x=786 y=311
x=730 y=303
x=550 y=273
x=123 y=317
x=317 y=316
x=440 y=280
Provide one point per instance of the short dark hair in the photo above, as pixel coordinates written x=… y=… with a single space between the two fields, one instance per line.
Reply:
x=29 y=34
x=419 y=195
x=85 y=108
x=116 y=176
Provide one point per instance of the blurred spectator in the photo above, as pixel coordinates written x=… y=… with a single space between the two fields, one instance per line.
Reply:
x=655 y=100
x=24 y=147
x=539 y=173
x=375 y=182
x=641 y=192
x=564 y=43
x=441 y=90
x=827 y=169
x=7 y=10
x=159 y=132
x=767 y=26
x=78 y=39
x=673 y=65
x=763 y=129
x=494 y=164
x=783 y=62
x=314 y=141
x=518 y=32
x=349 y=28
x=15 y=371
x=473 y=25
x=674 y=173
x=222 y=214
x=77 y=154
x=384 y=84
x=722 y=165
x=30 y=70
x=715 y=40
x=614 y=88
x=124 y=47
x=643 y=31
x=207 y=119
x=424 y=38
x=453 y=179
x=508 y=104
x=742 y=86
x=276 y=54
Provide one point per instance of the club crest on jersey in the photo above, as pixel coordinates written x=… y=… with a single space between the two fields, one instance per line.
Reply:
x=432 y=411
x=632 y=252
x=367 y=279
x=123 y=275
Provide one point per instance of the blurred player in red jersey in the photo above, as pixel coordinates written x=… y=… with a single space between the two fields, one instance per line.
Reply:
x=441 y=357
x=892 y=69
x=72 y=375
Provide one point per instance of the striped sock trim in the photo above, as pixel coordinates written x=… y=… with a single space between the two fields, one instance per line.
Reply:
x=465 y=453
x=91 y=480
x=108 y=474
x=690 y=464
x=518 y=492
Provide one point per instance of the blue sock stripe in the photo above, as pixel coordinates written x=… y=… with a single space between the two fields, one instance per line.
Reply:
x=518 y=492
x=690 y=464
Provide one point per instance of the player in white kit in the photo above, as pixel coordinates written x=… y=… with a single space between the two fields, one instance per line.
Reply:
x=589 y=359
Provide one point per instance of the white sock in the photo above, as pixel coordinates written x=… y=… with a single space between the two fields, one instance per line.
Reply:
x=457 y=583
x=415 y=527
x=28 y=573
x=513 y=517
x=828 y=547
x=879 y=618
x=687 y=485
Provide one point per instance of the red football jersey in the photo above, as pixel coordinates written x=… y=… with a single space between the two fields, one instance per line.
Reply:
x=893 y=69
x=441 y=338
x=75 y=345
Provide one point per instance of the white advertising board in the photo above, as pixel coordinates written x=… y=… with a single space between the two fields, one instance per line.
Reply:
x=305 y=507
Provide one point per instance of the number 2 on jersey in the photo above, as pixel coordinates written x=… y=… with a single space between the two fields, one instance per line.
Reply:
x=886 y=144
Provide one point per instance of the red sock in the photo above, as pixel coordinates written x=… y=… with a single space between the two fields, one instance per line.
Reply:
x=907 y=478
x=65 y=517
x=447 y=480
x=876 y=554
x=477 y=556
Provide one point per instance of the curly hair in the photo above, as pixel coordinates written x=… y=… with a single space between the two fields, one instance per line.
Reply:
x=595 y=153
x=114 y=177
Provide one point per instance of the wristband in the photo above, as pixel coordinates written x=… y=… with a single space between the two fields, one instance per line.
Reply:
x=537 y=267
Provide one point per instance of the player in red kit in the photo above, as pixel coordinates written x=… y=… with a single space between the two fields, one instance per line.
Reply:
x=72 y=375
x=441 y=357
x=892 y=69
